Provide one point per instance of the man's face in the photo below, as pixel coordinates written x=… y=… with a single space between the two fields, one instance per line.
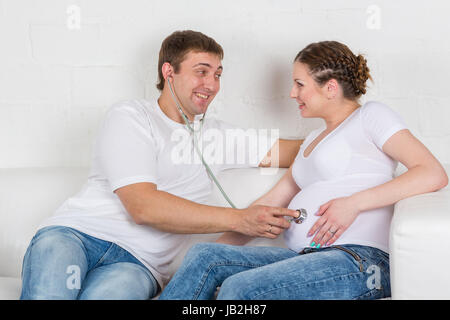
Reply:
x=197 y=81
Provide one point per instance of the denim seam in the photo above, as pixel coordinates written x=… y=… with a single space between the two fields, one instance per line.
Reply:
x=102 y=258
x=77 y=235
x=342 y=277
x=380 y=262
x=152 y=280
x=155 y=283
x=39 y=232
x=375 y=259
x=356 y=257
x=369 y=293
x=222 y=264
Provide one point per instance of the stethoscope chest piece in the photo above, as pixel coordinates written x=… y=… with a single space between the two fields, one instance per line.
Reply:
x=301 y=217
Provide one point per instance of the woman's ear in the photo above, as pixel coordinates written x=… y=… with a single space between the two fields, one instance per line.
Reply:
x=332 y=88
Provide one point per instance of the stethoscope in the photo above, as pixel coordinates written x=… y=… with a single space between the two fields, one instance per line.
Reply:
x=302 y=212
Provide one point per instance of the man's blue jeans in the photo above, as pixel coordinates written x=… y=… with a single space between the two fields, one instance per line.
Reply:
x=63 y=263
x=243 y=272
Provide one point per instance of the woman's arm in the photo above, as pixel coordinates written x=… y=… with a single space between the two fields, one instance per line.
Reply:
x=282 y=154
x=425 y=174
x=279 y=196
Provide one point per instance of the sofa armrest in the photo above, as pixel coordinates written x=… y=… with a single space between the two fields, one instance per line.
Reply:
x=420 y=246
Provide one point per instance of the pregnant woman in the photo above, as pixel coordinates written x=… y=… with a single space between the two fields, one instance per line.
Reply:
x=343 y=176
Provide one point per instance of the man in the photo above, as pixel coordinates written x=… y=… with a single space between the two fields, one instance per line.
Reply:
x=117 y=236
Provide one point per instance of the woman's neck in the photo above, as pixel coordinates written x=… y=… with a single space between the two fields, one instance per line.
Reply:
x=339 y=113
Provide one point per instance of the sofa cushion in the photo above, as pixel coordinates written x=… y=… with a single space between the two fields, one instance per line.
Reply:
x=27 y=197
x=10 y=288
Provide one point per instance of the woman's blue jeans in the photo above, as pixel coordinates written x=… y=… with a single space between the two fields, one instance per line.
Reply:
x=246 y=273
x=63 y=263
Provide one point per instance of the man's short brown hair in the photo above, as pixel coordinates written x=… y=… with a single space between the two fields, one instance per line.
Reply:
x=175 y=47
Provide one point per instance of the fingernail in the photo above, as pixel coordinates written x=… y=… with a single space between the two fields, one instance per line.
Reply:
x=312 y=244
x=318 y=246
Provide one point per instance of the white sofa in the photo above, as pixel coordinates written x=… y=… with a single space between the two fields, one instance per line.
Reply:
x=420 y=230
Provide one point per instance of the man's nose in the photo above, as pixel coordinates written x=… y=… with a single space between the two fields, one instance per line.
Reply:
x=210 y=83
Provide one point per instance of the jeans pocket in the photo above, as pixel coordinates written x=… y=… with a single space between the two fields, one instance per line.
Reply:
x=353 y=254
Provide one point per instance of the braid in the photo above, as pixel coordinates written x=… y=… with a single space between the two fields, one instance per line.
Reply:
x=362 y=74
x=333 y=60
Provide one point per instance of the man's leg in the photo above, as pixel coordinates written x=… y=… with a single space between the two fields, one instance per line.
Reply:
x=119 y=281
x=118 y=275
x=327 y=273
x=54 y=265
x=207 y=265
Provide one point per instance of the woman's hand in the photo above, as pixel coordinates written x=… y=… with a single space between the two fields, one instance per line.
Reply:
x=336 y=216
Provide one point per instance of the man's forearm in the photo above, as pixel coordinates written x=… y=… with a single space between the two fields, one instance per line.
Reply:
x=170 y=213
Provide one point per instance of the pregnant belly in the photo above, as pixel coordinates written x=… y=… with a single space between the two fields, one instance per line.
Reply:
x=311 y=198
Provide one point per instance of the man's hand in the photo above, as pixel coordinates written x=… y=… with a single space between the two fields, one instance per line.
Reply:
x=264 y=221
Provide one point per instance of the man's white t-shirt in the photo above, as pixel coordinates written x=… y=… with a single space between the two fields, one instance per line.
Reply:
x=348 y=160
x=139 y=143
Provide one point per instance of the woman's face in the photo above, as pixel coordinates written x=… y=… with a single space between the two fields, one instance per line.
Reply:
x=311 y=98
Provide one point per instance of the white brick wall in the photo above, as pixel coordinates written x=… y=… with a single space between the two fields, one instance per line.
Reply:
x=56 y=81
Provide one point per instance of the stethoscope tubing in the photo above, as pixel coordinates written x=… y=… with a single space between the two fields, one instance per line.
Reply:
x=199 y=153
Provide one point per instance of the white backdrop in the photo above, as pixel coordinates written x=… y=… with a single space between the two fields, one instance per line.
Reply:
x=63 y=63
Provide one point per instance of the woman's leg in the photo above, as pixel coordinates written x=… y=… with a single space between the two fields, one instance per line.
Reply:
x=207 y=265
x=328 y=273
x=54 y=265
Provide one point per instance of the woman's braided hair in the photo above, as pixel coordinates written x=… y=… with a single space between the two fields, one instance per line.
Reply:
x=333 y=60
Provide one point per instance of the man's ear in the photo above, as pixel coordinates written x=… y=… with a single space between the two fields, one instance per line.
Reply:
x=167 y=70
